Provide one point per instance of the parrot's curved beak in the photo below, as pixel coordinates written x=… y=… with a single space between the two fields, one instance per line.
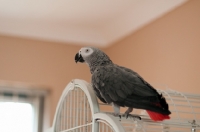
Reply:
x=79 y=58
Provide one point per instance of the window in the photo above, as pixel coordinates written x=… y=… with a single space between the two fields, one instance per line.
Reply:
x=21 y=110
x=16 y=117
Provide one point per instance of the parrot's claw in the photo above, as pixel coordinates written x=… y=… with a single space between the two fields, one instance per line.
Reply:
x=126 y=115
x=117 y=115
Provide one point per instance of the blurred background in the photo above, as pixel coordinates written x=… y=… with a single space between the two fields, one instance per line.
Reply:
x=159 y=39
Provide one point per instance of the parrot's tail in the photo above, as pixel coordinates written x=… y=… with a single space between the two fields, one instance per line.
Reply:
x=156 y=107
x=157 y=116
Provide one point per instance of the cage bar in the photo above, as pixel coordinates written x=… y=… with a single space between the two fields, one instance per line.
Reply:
x=79 y=111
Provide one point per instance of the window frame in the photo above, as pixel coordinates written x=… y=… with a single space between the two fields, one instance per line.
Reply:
x=34 y=96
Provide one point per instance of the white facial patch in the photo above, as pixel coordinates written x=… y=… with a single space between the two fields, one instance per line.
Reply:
x=86 y=51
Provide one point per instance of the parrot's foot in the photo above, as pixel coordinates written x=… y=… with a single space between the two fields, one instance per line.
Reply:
x=127 y=115
x=116 y=115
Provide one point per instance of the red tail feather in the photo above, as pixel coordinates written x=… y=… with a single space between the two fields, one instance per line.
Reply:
x=157 y=116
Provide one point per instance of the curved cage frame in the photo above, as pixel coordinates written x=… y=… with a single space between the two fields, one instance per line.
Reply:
x=98 y=120
x=78 y=110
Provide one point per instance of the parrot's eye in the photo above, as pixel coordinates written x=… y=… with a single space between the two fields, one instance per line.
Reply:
x=87 y=50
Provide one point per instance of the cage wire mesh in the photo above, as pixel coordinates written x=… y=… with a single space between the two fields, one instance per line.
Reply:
x=75 y=114
x=104 y=126
x=75 y=111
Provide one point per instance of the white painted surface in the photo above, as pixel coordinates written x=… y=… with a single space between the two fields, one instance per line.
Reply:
x=97 y=22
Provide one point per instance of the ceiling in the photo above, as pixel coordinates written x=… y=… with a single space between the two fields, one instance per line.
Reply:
x=98 y=23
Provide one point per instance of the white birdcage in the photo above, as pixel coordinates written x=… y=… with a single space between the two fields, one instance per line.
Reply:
x=79 y=111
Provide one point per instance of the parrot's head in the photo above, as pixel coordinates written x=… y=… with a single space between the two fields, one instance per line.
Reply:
x=83 y=54
x=91 y=55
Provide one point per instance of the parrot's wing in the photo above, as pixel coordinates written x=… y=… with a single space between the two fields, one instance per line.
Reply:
x=148 y=87
x=115 y=84
x=98 y=94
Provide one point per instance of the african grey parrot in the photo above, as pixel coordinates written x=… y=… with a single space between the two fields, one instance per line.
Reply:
x=121 y=86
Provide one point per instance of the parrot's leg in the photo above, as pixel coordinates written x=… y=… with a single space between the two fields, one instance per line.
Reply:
x=129 y=110
x=116 y=109
x=127 y=114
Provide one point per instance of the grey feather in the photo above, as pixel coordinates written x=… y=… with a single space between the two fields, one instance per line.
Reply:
x=120 y=85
